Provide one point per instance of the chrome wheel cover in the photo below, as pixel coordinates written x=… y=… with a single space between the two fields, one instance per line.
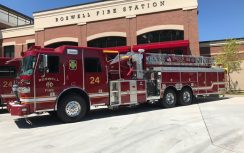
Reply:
x=186 y=96
x=73 y=108
x=170 y=98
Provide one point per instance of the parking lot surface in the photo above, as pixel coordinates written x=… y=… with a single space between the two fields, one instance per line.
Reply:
x=211 y=126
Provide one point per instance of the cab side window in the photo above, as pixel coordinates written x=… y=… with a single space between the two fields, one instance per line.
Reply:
x=53 y=64
x=93 y=65
x=7 y=72
x=179 y=52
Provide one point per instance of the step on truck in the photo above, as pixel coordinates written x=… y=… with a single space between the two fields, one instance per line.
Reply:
x=70 y=80
x=8 y=72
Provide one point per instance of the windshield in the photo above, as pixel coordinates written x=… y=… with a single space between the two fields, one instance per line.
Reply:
x=28 y=64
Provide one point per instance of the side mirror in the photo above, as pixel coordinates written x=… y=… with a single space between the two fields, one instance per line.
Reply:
x=43 y=65
x=45 y=61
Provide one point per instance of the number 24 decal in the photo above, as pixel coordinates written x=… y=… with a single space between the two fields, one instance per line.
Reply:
x=7 y=84
x=94 y=80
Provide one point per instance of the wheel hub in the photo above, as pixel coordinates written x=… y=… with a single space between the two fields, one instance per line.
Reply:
x=186 y=97
x=73 y=109
x=170 y=98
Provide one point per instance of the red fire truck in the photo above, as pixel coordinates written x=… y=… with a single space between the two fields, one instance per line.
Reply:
x=8 y=72
x=69 y=80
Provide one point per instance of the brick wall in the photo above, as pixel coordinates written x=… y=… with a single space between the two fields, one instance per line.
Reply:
x=237 y=80
x=212 y=50
x=188 y=19
x=20 y=42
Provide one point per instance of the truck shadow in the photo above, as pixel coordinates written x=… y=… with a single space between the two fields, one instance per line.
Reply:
x=3 y=110
x=46 y=120
x=209 y=99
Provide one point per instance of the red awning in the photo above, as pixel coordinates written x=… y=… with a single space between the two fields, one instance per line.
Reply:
x=152 y=46
x=170 y=44
x=120 y=49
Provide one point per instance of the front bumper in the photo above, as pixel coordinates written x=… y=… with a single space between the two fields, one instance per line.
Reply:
x=16 y=109
x=5 y=99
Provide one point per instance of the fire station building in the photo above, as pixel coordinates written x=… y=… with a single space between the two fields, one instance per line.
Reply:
x=215 y=47
x=107 y=24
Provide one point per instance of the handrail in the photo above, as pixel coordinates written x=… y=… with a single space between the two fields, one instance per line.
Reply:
x=180 y=60
x=14 y=19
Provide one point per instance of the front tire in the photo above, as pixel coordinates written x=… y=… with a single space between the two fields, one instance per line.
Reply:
x=186 y=97
x=169 y=99
x=72 y=108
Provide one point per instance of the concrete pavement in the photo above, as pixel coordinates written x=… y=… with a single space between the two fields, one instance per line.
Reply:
x=211 y=127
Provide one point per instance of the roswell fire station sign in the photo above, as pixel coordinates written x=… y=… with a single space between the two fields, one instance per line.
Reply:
x=107 y=10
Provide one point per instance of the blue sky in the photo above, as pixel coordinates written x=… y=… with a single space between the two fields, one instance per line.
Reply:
x=218 y=19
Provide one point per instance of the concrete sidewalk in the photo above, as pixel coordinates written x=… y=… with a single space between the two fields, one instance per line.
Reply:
x=211 y=127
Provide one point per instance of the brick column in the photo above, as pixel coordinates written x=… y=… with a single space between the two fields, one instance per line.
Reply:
x=131 y=30
x=40 y=38
x=191 y=31
x=18 y=50
x=82 y=37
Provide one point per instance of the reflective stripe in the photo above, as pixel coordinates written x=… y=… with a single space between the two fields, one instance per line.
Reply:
x=132 y=93
x=209 y=87
x=30 y=100
x=8 y=96
x=102 y=104
x=44 y=110
x=187 y=69
x=98 y=95
x=141 y=92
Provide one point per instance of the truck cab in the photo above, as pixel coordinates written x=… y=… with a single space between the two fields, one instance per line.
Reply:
x=9 y=69
x=50 y=76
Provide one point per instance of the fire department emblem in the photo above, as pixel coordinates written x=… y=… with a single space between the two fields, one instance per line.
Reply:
x=72 y=64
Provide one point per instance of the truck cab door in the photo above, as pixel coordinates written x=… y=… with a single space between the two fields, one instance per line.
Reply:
x=47 y=81
x=96 y=83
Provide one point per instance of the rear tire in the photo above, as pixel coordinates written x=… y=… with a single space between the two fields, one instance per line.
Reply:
x=186 y=97
x=72 y=108
x=169 y=99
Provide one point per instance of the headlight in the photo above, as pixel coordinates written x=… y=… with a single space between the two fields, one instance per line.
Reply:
x=24 y=90
x=15 y=88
